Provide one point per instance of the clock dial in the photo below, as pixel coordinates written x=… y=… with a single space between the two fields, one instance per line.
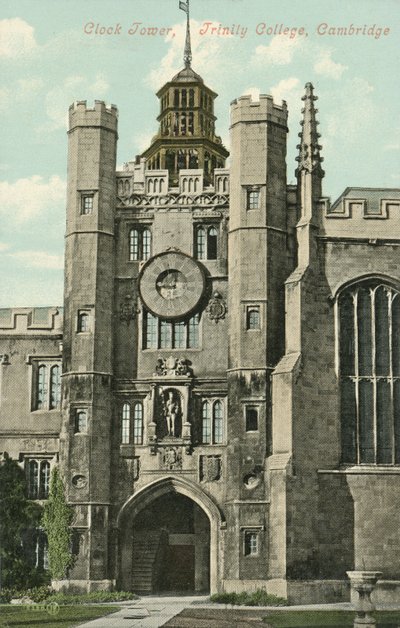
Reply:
x=171 y=284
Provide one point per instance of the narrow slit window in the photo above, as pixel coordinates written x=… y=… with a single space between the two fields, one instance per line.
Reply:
x=126 y=424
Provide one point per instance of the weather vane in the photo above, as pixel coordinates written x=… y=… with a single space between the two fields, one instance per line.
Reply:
x=187 y=55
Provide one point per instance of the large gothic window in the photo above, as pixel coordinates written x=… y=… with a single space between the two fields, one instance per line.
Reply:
x=369 y=352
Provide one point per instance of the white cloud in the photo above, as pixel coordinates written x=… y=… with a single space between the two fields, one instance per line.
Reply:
x=39 y=259
x=254 y=92
x=4 y=247
x=327 y=67
x=60 y=98
x=279 y=51
x=287 y=89
x=29 y=197
x=16 y=38
x=205 y=50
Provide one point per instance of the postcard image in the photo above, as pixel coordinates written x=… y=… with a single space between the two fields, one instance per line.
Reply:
x=200 y=295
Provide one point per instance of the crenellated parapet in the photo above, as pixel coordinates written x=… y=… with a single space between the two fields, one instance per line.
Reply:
x=101 y=115
x=47 y=320
x=245 y=109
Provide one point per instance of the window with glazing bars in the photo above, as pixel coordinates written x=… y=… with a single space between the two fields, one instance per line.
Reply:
x=47 y=387
x=206 y=240
x=126 y=424
x=212 y=422
x=38 y=479
x=162 y=334
x=369 y=368
x=138 y=423
x=139 y=244
x=250 y=543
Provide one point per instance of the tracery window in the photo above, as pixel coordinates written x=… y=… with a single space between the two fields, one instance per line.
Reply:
x=369 y=363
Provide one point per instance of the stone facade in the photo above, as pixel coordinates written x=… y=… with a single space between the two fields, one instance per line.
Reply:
x=203 y=418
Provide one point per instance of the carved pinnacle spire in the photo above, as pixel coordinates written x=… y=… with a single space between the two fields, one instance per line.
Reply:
x=309 y=149
x=187 y=55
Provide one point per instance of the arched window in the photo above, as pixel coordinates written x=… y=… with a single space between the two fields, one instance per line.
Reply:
x=41 y=387
x=134 y=245
x=206 y=238
x=218 y=422
x=253 y=318
x=184 y=98
x=33 y=479
x=44 y=482
x=146 y=244
x=201 y=243
x=55 y=387
x=38 y=476
x=126 y=424
x=83 y=321
x=80 y=422
x=138 y=423
x=206 y=423
x=193 y=331
x=369 y=363
x=212 y=239
x=191 y=97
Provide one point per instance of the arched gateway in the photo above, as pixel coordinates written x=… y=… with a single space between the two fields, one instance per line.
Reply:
x=169 y=538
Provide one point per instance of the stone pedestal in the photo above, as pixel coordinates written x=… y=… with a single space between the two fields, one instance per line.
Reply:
x=363 y=582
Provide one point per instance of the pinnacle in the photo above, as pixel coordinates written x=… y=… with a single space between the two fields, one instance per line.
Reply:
x=309 y=149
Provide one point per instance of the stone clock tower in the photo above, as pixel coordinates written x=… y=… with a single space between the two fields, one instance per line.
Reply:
x=223 y=395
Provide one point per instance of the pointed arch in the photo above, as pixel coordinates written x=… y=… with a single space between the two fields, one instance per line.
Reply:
x=145 y=496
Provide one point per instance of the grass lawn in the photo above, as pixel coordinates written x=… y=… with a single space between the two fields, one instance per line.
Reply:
x=318 y=619
x=21 y=616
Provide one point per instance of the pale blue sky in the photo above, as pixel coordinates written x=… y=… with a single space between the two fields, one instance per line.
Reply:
x=47 y=61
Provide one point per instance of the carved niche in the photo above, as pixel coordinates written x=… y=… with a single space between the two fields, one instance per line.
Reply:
x=170 y=414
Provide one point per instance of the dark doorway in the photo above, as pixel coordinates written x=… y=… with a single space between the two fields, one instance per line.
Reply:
x=171 y=546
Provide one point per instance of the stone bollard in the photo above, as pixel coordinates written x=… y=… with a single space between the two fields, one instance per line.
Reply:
x=364 y=583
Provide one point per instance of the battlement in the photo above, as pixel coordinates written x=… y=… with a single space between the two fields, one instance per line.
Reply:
x=245 y=109
x=101 y=115
x=363 y=212
x=31 y=319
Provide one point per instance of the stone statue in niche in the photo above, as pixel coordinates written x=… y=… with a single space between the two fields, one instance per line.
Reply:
x=171 y=425
x=172 y=411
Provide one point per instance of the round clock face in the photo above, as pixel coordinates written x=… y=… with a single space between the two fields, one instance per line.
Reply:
x=171 y=284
